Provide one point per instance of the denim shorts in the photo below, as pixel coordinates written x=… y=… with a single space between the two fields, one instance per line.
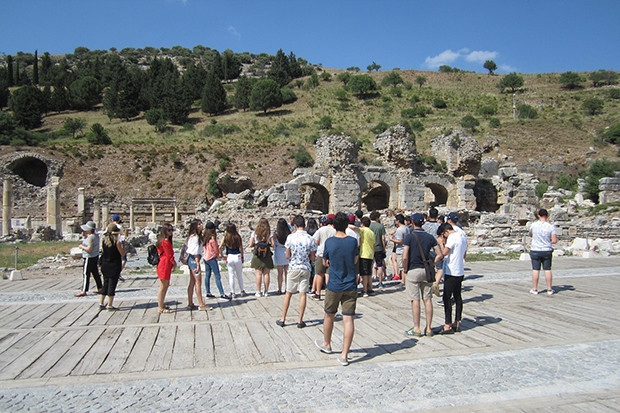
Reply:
x=191 y=262
x=541 y=257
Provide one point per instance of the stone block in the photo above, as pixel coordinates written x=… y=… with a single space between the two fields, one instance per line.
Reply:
x=16 y=275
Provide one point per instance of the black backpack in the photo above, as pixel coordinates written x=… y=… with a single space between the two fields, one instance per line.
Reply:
x=262 y=249
x=153 y=255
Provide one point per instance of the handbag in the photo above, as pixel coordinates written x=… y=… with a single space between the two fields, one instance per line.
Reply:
x=429 y=264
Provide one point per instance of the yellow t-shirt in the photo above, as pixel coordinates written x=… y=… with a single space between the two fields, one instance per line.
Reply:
x=367 y=243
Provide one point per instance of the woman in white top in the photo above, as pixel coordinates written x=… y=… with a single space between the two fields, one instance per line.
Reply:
x=541 y=252
x=194 y=252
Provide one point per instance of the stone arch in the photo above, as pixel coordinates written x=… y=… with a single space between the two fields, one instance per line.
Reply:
x=376 y=196
x=30 y=169
x=486 y=196
x=436 y=194
x=314 y=197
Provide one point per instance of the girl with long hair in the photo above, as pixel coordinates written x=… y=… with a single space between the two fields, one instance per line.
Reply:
x=279 y=254
x=210 y=254
x=165 y=266
x=194 y=252
x=111 y=265
x=232 y=248
x=262 y=256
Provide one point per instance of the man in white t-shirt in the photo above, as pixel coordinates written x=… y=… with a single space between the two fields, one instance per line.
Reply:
x=541 y=251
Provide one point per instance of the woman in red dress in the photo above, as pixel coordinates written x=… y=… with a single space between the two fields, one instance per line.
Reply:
x=166 y=264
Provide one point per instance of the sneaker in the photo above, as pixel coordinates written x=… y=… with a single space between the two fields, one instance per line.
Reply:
x=265 y=294
x=316 y=297
x=440 y=302
x=301 y=325
x=225 y=297
x=243 y=293
x=396 y=278
x=210 y=295
x=258 y=294
x=110 y=308
x=534 y=292
x=102 y=306
x=232 y=295
x=324 y=349
x=310 y=293
x=342 y=361
x=365 y=295
x=120 y=278
x=551 y=292
x=380 y=285
x=280 y=323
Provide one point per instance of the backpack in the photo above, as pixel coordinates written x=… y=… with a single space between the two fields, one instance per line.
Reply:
x=261 y=250
x=153 y=256
x=183 y=255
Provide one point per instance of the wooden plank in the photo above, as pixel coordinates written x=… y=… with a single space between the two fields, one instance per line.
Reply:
x=183 y=350
x=225 y=355
x=161 y=354
x=51 y=356
x=21 y=314
x=246 y=350
x=18 y=347
x=56 y=316
x=204 y=351
x=267 y=349
x=120 y=352
x=75 y=353
x=40 y=314
x=29 y=356
x=97 y=353
x=141 y=350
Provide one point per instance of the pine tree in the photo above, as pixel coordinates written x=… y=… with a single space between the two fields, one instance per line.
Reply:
x=9 y=70
x=213 y=95
x=35 y=69
x=243 y=91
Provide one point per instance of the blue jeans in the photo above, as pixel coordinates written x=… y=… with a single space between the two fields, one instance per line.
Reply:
x=212 y=265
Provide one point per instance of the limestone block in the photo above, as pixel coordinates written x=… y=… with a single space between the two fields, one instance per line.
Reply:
x=580 y=244
x=524 y=256
x=16 y=275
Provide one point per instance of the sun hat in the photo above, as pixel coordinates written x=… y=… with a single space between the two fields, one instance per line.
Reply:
x=113 y=229
x=89 y=226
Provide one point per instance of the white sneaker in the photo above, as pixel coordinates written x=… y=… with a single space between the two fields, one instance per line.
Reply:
x=265 y=294
x=365 y=295
x=551 y=292
x=533 y=291
x=258 y=294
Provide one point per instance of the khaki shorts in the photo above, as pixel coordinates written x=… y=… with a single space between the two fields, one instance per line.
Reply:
x=320 y=267
x=297 y=280
x=416 y=287
x=347 y=299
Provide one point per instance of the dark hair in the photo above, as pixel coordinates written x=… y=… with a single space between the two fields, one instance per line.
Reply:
x=359 y=214
x=299 y=221
x=374 y=215
x=542 y=212
x=433 y=213
x=164 y=234
x=282 y=230
x=193 y=228
x=365 y=221
x=400 y=218
x=341 y=221
x=311 y=226
x=443 y=228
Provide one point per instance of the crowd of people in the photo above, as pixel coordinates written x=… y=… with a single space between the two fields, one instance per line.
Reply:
x=340 y=254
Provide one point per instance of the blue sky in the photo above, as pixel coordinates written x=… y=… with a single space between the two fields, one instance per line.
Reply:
x=526 y=36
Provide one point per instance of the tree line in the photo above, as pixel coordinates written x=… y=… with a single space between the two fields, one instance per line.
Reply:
x=163 y=84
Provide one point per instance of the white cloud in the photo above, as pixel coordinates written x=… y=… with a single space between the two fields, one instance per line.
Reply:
x=234 y=32
x=448 y=57
x=443 y=58
x=506 y=69
x=481 y=56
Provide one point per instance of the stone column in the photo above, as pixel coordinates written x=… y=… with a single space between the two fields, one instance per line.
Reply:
x=132 y=223
x=6 y=208
x=153 y=215
x=105 y=215
x=81 y=204
x=176 y=214
x=54 y=220
x=97 y=212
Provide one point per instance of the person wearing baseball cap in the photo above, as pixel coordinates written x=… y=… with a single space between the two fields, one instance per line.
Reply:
x=90 y=255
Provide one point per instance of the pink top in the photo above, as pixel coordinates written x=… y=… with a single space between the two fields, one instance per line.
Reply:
x=211 y=250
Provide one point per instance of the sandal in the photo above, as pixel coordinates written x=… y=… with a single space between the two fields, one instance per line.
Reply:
x=192 y=307
x=205 y=308
x=165 y=311
x=412 y=332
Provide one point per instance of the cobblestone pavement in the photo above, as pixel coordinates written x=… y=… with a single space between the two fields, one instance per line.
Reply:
x=581 y=375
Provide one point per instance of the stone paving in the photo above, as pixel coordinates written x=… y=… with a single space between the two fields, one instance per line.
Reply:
x=517 y=352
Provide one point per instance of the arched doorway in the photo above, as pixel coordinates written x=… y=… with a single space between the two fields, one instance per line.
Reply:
x=435 y=194
x=31 y=170
x=376 y=196
x=314 y=197
x=486 y=196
